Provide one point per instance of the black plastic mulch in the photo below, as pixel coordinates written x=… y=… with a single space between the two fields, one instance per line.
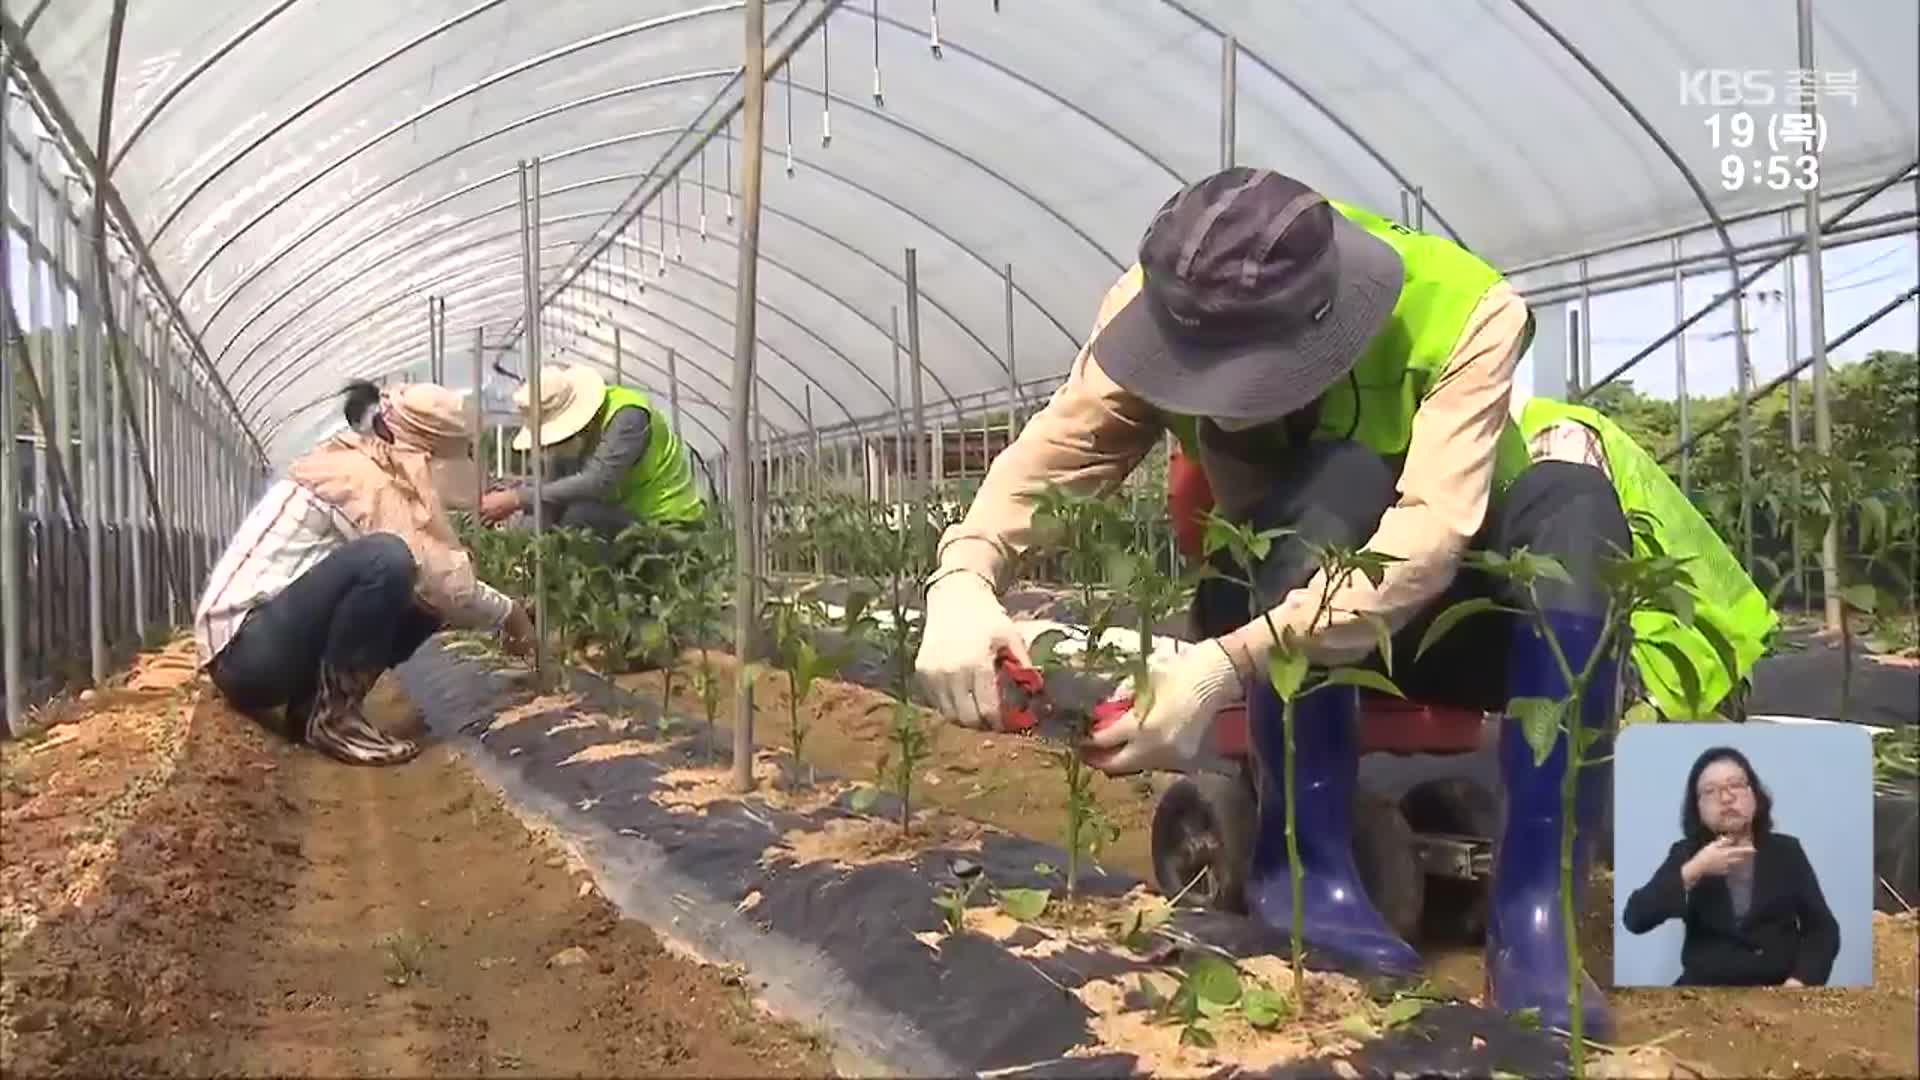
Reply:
x=834 y=948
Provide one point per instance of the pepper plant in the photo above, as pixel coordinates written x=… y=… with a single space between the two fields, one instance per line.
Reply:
x=1288 y=666
x=1647 y=580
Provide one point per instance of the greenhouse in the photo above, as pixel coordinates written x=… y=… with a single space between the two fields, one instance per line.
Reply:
x=805 y=537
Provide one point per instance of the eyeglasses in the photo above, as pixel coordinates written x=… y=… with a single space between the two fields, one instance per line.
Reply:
x=1733 y=787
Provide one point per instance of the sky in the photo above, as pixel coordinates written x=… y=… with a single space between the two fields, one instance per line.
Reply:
x=1859 y=279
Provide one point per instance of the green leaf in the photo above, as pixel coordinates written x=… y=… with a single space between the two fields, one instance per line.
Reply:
x=1287 y=667
x=1679 y=602
x=1366 y=678
x=1873 y=522
x=1214 y=979
x=1403 y=1010
x=1729 y=660
x=1212 y=1010
x=1356 y=1025
x=1447 y=619
x=1025 y=905
x=1044 y=869
x=1150 y=993
x=1683 y=668
x=1263 y=1008
x=1539 y=722
x=1527 y=1018
x=1197 y=1036
x=1640 y=712
x=1861 y=598
x=862 y=800
x=1121 y=569
x=1043 y=647
x=1383 y=635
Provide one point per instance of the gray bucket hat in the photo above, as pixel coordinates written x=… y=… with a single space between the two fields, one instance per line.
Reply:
x=1257 y=297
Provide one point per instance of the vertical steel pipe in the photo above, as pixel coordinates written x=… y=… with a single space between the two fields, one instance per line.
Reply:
x=1229 y=98
x=746 y=515
x=1790 y=297
x=619 y=359
x=1680 y=371
x=1743 y=384
x=899 y=478
x=673 y=390
x=476 y=410
x=1817 y=335
x=1013 y=369
x=12 y=667
x=530 y=346
x=921 y=467
x=92 y=466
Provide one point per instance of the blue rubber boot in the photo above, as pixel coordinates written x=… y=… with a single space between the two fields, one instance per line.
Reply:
x=1341 y=924
x=1526 y=957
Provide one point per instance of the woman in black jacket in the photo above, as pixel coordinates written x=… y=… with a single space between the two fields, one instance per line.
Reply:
x=1751 y=903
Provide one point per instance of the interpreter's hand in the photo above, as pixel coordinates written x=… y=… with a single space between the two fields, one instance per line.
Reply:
x=1716 y=859
x=497 y=506
x=517 y=632
x=1186 y=691
x=966 y=629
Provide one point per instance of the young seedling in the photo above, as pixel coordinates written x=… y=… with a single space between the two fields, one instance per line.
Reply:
x=1288 y=668
x=1649 y=580
x=1210 y=988
x=952 y=901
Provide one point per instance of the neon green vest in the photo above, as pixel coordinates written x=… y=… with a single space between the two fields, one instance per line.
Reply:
x=659 y=487
x=1374 y=406
x=1723 y=593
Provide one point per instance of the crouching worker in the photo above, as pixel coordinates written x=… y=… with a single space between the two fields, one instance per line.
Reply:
x=344 y=567
x=1336 y=374
x=615 y=460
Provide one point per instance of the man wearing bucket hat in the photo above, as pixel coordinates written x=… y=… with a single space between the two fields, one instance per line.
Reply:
x=1345 y=377
x=344 y=567
x=632 y=466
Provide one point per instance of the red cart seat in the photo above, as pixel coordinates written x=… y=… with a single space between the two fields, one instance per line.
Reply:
x=1388 y=725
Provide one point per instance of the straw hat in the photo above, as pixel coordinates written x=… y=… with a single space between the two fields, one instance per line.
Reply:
x=570 y=397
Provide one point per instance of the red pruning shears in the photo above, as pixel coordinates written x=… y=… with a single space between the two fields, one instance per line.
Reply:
x=1027 y=709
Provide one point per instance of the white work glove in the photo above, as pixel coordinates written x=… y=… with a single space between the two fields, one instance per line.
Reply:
x=966 y=629
x=1188 y=689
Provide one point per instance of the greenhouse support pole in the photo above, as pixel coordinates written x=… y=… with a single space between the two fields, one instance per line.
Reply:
x=1743 y=382
x=530 y=352
x=813 y=485
x=1229 y=97
x=1790 y=295
x=921 y=467
x=1013 y=376
x=1583 y=364
x=673 y=389
x=92 y=468
x=1680 y=371
x=1817 y=335
x=745 y=516
x=619 y=359
x=10 y=591
x=1419 y=208
x=476 y=408
x=899 y=478
x=433 y=340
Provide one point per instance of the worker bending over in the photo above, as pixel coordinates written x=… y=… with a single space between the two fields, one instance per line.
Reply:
x=618 y=461
x=1340 y=375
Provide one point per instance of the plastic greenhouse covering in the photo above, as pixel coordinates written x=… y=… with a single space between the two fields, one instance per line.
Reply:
x=306 y=174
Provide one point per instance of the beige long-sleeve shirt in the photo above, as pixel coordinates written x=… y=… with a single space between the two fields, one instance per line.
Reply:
x=1092 y=433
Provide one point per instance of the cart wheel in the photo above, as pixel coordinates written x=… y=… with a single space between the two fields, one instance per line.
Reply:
x=1383 y=851
x=1456 y=909
x=1205 y=821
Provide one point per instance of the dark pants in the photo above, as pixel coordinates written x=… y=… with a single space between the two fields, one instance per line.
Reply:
x=1336 y=492
x=353 y=610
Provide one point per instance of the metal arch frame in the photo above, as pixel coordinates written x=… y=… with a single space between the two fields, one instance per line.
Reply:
x=1742 y=354
x=400 y=126
x=761 y=302
x=44 y=100
x=245 y=360
x=581 y=310
x=272 y=370
x=1320 y=107
x=219 y=53
x=278 y=380
x=728 y=241
x=279 y=423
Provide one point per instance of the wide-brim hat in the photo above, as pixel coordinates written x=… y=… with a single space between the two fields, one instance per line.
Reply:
x=1256 y=297
x=570 y=397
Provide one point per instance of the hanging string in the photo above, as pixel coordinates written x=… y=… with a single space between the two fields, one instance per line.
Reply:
x=826 y=86
x=787 y=74
x=879 y=98
x=729 y=143
x=640 y=241
x=663 y=239
x=679 y=230
x=703 y=193
x=933 y=40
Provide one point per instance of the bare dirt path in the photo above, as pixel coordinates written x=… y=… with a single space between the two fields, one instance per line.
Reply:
x=264 y=911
